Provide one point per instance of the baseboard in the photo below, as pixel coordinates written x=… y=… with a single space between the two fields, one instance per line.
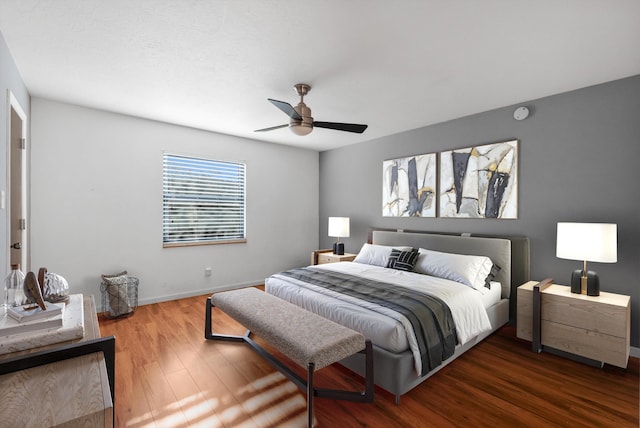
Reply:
x=176 y=296
x=634 y=352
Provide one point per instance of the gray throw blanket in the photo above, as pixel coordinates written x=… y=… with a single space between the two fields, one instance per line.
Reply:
x=429 y=316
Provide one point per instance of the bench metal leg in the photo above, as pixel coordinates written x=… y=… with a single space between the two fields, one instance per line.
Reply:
x=208 y=332
x=207 y=319
x=310 y=368
x=365 y=396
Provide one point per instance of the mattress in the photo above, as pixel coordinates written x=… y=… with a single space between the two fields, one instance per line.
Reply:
x=385 y=327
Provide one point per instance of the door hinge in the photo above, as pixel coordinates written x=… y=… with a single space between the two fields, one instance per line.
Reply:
x=22 y=224
x=23 y=143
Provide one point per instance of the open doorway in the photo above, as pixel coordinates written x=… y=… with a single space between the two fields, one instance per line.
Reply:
x=17 y=184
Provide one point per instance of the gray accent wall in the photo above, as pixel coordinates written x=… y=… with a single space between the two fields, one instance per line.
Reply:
x=579 y=162
x=10 y=80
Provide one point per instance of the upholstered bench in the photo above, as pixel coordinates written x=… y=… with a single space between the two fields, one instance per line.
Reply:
x=310 y=340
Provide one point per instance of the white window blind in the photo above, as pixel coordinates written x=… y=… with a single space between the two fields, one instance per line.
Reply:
x=203 y=201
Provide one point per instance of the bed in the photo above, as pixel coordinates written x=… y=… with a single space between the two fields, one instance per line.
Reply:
x=475 y=289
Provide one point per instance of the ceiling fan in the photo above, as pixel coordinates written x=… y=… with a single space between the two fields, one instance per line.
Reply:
x=301 y=121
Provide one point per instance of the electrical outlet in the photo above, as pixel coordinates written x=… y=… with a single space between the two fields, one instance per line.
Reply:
x=207 y=271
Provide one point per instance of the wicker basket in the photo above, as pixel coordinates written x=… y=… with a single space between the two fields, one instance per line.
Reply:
x=120 y=300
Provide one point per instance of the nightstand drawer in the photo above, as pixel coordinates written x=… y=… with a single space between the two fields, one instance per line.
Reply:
x=587 y=343
x=589 y=314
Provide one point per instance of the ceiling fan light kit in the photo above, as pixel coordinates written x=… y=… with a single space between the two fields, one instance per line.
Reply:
x=301 y=122
x=301 y=129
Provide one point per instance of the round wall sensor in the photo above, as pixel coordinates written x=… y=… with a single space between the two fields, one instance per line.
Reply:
x=521 y=113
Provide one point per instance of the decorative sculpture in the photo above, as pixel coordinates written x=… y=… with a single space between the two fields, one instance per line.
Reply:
x=32 y=290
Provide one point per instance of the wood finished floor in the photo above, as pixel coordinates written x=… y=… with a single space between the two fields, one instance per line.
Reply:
x=168 y=375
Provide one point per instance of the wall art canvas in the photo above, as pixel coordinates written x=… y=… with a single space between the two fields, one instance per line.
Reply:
x=409 y=186
x=480 y=182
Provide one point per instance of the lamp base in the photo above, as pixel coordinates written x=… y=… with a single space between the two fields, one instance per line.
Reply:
x=338 y=248
x=589 y=285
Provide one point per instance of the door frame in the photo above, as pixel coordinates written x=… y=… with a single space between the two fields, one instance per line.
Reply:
x=13 y=104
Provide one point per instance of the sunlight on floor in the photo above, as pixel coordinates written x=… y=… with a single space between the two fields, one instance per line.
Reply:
x=272 y=400
x=282 y=411
x=268 y=401
x=263 y=399
x=143 y=421
x=264 y=382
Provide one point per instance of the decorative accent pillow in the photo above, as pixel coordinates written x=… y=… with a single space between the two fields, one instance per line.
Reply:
x=116 y=286
x=376 y=255
x=403 y=260
x=492 y=274
x=465 y=269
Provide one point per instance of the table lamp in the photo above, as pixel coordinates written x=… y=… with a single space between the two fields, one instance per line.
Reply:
x=338 y=228
x=593 y=242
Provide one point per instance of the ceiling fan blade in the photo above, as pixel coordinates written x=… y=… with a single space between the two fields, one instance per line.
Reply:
x=271 y=128
x=286 y=108
x=349 y=127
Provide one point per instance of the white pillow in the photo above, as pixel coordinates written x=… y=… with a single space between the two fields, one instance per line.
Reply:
x=376 y=255
x=465 y=269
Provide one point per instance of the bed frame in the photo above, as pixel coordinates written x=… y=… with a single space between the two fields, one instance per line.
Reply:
x=395 y=373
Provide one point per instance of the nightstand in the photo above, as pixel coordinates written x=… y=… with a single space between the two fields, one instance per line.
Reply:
x=319 y=257
x=596 y=328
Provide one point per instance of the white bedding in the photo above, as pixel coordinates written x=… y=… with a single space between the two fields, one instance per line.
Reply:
x=491 y=296
x=385 y=327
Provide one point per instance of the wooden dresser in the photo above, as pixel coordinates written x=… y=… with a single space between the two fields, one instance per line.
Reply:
x=593 y=327
x=71 y=392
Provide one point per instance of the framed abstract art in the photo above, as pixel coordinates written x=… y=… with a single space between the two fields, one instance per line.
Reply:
x=480 y=181
x=409 y=186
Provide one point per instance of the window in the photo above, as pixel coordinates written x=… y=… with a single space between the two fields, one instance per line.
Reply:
x=203 y=201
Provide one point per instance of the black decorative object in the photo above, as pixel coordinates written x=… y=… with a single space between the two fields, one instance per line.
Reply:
x=589 y=285
x=593 y=284
x=576 y=281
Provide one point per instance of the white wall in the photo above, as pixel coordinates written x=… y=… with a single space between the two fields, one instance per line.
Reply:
x=96 y=197
x=10 y=80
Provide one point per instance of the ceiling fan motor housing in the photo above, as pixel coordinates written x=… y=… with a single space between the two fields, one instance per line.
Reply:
x=304 y=126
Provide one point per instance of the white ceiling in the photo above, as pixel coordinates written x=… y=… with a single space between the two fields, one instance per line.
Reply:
x=394 y=65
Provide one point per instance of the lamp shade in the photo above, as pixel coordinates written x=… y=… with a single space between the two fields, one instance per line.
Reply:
x=593 y=242
x=339 y=227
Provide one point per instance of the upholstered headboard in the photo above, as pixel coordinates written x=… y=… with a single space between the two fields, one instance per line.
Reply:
x=510 y=253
